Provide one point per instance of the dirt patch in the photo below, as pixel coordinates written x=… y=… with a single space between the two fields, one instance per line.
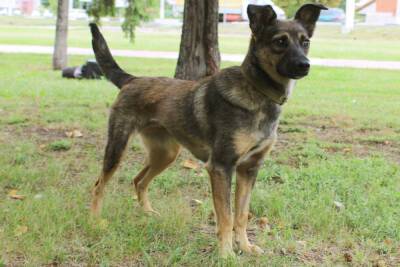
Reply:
x=35 y=133
x=46 y=133
x=336 y=134
x=339 y=136
x=341 y=255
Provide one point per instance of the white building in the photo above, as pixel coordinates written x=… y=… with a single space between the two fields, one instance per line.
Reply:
x=380 y=11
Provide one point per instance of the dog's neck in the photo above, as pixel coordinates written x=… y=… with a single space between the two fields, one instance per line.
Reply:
x=277 y=90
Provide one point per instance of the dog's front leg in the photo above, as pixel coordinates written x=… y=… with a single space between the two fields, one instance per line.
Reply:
x=246 y=174
x=221 y=178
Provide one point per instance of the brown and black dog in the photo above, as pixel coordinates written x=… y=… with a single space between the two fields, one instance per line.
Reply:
x=228 y=120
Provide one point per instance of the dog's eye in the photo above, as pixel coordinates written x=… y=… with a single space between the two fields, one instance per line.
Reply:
x=306 y=43
x=281 y=42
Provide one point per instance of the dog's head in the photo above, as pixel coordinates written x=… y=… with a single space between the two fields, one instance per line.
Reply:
x=281 y=46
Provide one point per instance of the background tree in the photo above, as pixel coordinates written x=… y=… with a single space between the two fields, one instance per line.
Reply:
x=134 y=13
x=290 y=6
x=60 y=57
x=199 y=52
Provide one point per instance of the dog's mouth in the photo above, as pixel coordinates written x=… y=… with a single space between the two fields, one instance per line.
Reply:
x=295 y=74
x=298 y=75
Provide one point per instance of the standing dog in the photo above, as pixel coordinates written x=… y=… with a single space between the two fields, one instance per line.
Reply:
x=228 y=120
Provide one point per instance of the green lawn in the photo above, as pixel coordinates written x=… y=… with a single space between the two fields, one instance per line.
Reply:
x=366 y=42
x=339 y=141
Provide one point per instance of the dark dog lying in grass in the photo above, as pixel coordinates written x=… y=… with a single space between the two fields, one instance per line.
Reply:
x=228 y=120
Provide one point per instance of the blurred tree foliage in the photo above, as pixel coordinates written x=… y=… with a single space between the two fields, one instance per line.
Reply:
x=51 y=5
x=342 y=4
x=134 y=13
x=291 y=6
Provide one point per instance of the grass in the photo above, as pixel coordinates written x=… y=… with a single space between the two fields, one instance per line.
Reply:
x=366 y=42
x=60 y=145
x=339 y=139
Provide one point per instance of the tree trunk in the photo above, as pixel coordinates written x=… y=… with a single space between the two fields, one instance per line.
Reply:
x=60 y=44
x=199 y=53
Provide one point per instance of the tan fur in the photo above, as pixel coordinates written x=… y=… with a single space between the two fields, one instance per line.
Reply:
x=162 y=150
x=244 y=141
x=222 y=210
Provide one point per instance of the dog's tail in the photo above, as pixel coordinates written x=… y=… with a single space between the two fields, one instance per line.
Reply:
x=104 y=58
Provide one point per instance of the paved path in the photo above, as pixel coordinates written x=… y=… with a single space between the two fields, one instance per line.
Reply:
x=341 y=63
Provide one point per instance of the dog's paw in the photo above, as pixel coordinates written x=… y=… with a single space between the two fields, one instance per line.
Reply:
x=252 y=249
x=226 y=254
x=151 y=212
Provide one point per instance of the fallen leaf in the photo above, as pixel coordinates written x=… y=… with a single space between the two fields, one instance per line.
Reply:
x=38 y=196
x=263 y=224
x=195 y=202
x=348 y=257
x=291 y=249
x=74 y=134
x=380 y=263
x=388 y=242
x=190 y=164
x=302 y=243
x=20 y=230
x=250 y=216
x=12 y=192
x=14 y=195
x=338 y=205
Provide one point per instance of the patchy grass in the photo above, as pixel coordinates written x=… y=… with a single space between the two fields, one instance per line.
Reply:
x=339 y=141
x=365 y=42
x=60 y=145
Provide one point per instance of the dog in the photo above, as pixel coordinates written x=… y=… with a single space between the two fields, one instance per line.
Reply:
x=228 y=120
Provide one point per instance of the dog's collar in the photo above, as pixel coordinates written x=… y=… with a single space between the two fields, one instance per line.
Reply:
x=264 y=84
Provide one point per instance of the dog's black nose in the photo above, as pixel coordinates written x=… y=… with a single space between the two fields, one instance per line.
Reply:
x=303 y=65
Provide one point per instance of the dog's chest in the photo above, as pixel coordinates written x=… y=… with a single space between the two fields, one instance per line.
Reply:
x=261 y=132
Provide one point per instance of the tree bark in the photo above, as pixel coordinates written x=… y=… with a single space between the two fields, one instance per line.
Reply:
x=199 y=52
x=60 y=57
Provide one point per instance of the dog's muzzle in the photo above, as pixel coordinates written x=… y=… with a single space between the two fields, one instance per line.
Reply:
x=294 y=69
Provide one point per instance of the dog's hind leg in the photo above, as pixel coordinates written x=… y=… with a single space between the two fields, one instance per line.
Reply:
x=162 y=150
x=120 y=129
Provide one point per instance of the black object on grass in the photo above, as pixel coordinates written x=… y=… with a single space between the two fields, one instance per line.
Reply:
x=89 y=70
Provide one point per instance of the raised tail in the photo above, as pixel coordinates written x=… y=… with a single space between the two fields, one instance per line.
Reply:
x=106 y=61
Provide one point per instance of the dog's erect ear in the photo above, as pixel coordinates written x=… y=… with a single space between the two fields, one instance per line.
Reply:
x=260 y=17
x=307 y=15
